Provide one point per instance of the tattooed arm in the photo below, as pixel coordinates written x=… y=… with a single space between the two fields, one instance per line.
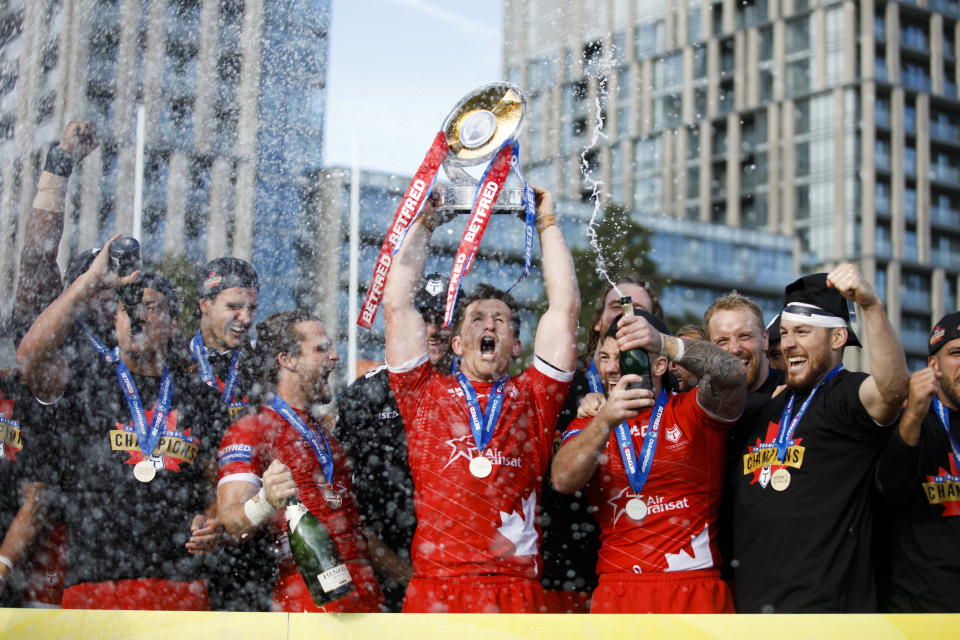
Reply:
x=723 y=378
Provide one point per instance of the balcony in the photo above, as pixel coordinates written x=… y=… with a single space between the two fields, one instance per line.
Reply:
x=946 y=174
x=941 y=130
x=918 y=300
x=945 y=259
x=944 y=216
x=914 y=340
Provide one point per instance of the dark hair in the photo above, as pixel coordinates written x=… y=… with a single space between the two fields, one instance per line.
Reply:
x=646 y=285
x=486 y=292
x=275 y=335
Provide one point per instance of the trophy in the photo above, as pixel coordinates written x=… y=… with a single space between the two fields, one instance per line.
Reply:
x=481 y=128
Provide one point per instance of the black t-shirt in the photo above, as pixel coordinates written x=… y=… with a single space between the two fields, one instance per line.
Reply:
x=220 y=363
x=736 y=442
x=808 y=548
x=371 y=431
x=923 y=484
x=571 y=537
x=119 y=527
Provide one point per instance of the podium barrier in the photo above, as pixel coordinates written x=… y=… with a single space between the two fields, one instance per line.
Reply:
x=34 y=624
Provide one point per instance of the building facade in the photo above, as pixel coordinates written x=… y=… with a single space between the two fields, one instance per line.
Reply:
x=833 y=122
x=701 y=261
x=232 y=95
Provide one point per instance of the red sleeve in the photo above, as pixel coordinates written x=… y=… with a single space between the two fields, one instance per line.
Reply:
x=574 y=429
x=408 y=383
x=551 y=386
x=239 y=456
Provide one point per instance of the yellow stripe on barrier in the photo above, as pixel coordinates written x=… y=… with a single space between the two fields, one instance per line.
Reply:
x=33 y=624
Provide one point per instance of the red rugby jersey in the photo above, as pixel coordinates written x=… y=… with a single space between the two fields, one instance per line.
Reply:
x=682 y=493
x=253 y=442
x=468 y=525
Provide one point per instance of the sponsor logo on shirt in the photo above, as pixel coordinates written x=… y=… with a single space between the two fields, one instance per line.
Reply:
x=655 y=504
x=387 y=415
x=464 y=447
x=234 y=453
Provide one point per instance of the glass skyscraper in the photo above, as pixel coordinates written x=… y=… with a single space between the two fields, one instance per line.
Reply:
x=833 y=122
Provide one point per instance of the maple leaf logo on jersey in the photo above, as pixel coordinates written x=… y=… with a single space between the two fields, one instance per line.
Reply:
x=700 y=558
x=944 y=488
x=462 y=447
x=761 y=459
x=520 y=529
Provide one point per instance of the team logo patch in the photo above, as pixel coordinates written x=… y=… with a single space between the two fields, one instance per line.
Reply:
x=434 y=286
x=937 y=335
x=673 y=434
x=213 y=280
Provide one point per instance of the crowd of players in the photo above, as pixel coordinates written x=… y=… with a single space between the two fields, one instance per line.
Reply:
x=142 y=469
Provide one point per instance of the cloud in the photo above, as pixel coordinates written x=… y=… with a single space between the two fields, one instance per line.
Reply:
x=451 y=18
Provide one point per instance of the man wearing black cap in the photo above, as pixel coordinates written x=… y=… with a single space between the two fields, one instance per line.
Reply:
x=130 y=450
x=228 y=292
x=371 y=430
x=919 y=471
x=657 y=497
x=802 y=519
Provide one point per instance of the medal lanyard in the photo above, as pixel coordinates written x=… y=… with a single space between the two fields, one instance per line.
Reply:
x=944 y=416
x=105 y=354
x=147 y=438
x=530 y=215
x=637 y=473
x=206 y=371
x=593 y=379
x=483 y=423
x=789 y=422
x=317 y=439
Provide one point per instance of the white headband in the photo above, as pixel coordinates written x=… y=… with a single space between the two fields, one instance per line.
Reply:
x=813 y=315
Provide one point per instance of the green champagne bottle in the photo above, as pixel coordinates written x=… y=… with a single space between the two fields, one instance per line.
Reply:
x=635 y=361
x=316 y=556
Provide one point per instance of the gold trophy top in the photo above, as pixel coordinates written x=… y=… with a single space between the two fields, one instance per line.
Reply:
x=482 y=121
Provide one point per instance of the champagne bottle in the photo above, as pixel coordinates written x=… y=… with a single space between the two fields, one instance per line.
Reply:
x=635 y=361
x=326 y=575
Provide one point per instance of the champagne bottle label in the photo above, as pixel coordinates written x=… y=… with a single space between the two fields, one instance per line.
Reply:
x=294 y=513
x=333 y=579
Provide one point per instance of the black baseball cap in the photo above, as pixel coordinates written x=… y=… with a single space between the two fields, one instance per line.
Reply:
x=431 y=297
x=947 y=329
x=811 y=301
x=78 y=265
x=656 y=322
x=773 y=330
x=226 y=273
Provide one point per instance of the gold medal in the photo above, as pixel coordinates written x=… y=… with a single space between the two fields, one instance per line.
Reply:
x=333 y=499
x=480 y=467
x=144 y=471
x=780 y=480
x=636 y=509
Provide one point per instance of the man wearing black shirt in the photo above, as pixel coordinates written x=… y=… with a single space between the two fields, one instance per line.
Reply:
x=920 y=472
x=802 y=519
x=734 y=323
x=371 y=431
x=131 y=451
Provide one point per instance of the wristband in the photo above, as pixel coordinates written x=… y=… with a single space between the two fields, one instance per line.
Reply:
x=258 y=510
x=545 y=221
x=58 y=161
x=7 y=561
x=681 y=348
x=430 y=222
x=51 y=192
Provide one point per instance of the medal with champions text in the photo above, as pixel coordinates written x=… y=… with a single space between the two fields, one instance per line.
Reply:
x=481 y=128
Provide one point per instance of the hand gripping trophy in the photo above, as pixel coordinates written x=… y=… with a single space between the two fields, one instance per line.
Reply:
x=481 y=128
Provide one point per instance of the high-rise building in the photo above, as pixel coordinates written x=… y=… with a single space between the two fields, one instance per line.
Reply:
x=232 y=94
x=700 y=260
x=834 y=122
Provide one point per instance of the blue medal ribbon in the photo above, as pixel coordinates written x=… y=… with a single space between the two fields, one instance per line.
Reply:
x=105 y=353
x=789 y=421
x=483 y=423
x=199 y=352
x=147 y=437
x=593 y=379
x=315 y=437
x=530 y=216
x=944 y=416
x=639 y=470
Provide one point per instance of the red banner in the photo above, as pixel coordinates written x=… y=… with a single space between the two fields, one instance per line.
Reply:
x=487 y=191
x=406 y=213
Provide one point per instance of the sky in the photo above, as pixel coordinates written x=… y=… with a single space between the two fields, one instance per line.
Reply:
x=396 y=68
